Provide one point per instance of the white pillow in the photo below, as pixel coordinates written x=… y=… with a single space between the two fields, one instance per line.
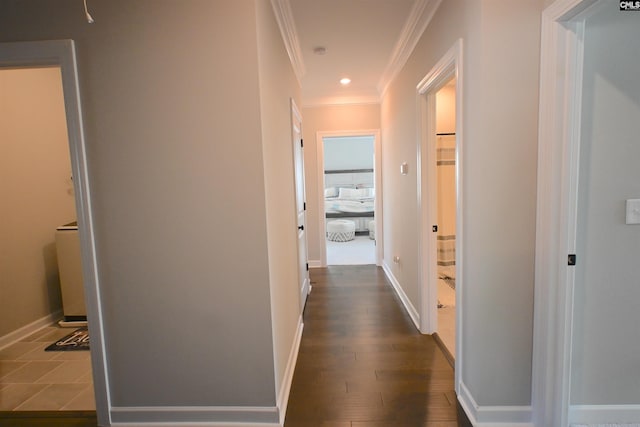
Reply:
x=330 y=192
x=353 y=193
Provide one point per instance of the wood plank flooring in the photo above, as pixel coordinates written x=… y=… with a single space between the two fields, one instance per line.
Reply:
x=362 y=363
x=48 y=419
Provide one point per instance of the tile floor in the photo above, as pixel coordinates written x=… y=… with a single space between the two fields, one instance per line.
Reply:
x=32 y=379
x=447 y=316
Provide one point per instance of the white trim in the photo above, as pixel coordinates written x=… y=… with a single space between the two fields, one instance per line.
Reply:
x=606 y=425
x=337 y=102
x=621 y=415
x=450 y=65
x=561 y=63
x=284 y=17
x=419 y=18
x=62 y=53
x=285 y=388
x=195 y=416
x=378 y=215
x=406 y=302
x=322 y=220
x=490 y=416
x=26 y=330
x=325 y=101
x=315 y=263
x=194 y=424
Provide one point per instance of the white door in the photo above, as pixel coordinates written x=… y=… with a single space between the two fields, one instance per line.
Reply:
x=301 y=206
x=585 y=342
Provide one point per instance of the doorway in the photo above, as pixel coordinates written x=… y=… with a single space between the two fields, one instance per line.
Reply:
x=586 y=241
x=37 y=188
x=446 y=213
x=61 y=56
x=350 y=194
x=440 y=198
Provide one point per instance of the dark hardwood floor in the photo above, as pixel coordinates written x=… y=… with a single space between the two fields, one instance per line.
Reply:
x=362 y=363
x=48 y=419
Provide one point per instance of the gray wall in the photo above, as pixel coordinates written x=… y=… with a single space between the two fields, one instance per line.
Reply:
x=500 y=101
x=605 y=342
x=170 y=93
x=278 y=85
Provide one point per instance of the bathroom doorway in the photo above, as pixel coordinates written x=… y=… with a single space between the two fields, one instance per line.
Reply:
x=446 y=213
x=440 y=197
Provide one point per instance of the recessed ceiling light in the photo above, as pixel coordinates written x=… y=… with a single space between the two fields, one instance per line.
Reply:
x=345 y=81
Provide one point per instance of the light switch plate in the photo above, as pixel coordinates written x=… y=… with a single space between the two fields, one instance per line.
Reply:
x=633 y=211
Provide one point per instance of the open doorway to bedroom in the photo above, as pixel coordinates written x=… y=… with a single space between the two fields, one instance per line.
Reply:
x=348 y=212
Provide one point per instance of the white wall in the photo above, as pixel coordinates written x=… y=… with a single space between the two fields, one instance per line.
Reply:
x=36 y=193
x=328 y=119
x=606 y=335
x=446 y=108
x=171 y=103
x=446 y=123
x=501 y=59
x=342 y=153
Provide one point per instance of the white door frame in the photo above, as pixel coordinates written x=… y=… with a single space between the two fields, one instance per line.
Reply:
x=296 y=138
x=61 y=53
x=377 y=172
x=561 y=64
x=449 y=66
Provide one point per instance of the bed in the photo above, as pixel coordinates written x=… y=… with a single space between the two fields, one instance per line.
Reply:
x=349 y=194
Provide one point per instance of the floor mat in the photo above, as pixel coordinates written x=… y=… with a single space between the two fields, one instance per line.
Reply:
x=77 y=340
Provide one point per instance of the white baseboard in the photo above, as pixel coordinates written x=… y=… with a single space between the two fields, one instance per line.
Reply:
x=413 y=313
x=605 y=425
x=191 y=416
x=215 y=416
x=194 y=424
x=29 y=329
x=285 y=388
x=605 y=415
x=315 y=263
x=493 y=416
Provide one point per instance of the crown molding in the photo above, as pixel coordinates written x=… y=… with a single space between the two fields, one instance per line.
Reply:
x=329 y=101
x=417 y=22
x=284 y=17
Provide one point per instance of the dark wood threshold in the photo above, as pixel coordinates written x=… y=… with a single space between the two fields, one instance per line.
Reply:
x=445 y=350
x=48 y=419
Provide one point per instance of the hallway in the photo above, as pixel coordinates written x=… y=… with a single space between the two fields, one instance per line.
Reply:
x=363 y=363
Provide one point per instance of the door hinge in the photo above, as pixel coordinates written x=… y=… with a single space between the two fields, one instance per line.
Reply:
x=301 y=142
x=304 y=206
x=571 y=259
x=434 y=228
x=307 y=266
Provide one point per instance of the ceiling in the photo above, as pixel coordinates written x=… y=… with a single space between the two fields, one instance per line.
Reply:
x=367 y=41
